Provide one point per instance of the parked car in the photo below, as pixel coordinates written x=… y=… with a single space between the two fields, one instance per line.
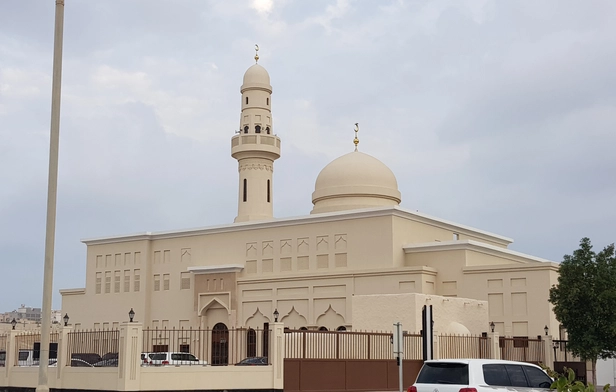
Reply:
x=145 y=359
x=480 y=375
x=253 y=361
x=111 y=362
x=174 y=359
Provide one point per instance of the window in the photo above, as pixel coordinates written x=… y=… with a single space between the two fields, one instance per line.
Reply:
x=516 y=375
x=322 y=328
x=341 y=328
x=496 y=375
x=246 y=129
x=184 y=280
x=268 y=191
x=107 y=282
x=456 y=236
x=258 y=129
x=166 y=282
x=99 y=282
x=116 y=282
x=156 y=282
x=537 y=378
x=251 y=343
x=443 y=373
x=246 y=101
x=267 y=130
x=137 y=280
x=126 y=281
x=267 y=101
x=244 y=189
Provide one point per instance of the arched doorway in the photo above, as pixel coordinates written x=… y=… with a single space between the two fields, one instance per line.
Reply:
x=220 y=345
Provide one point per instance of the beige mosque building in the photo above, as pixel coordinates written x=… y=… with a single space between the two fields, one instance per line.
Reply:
x=357 y=254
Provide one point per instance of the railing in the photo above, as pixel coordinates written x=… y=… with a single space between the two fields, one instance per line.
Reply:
x=347 y=345
x=3 y=344
x=28 y=348
x=522 y=349
x=562 y=354
x=215 y=346
x=93 y=347
x=464 y=346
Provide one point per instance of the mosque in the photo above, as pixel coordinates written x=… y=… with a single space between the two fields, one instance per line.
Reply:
x=357 y=252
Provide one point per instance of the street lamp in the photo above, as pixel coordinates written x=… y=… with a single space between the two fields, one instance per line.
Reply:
x=14 y=322
x=131 y=315
x=65 y=318
x=492 y=325
x=276 y=314
x=546 y=330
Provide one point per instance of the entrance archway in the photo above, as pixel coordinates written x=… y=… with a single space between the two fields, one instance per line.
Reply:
x=220 y=345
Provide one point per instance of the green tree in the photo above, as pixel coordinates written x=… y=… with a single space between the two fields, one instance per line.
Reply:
x=585 y=302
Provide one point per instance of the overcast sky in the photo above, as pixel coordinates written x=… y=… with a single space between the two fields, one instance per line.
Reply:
x=495 y=114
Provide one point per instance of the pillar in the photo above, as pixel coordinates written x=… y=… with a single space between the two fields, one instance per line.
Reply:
x=494 y=340
x=129 y=364
x=277 y=355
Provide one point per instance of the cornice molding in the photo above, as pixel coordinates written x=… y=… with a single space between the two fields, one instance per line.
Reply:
x=78 y=291
x=216 y=269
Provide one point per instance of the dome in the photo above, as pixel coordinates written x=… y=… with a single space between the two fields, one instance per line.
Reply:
x=256 y=76
x=355 y=180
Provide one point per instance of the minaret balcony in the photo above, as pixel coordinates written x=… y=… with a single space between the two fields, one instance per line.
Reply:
x=245 y=145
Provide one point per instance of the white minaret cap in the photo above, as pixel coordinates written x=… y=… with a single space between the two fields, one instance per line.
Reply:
x=256 y=77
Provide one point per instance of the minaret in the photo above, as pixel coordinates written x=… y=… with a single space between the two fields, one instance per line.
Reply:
x=255 y=147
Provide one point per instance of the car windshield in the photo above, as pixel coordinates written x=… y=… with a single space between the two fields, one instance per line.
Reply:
x=158 y=356
x=443 y=373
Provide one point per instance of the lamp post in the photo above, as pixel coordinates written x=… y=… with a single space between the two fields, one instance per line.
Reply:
x=131 y=315
x=276 y=314
x=14 y=322
x=65 y=318
x=492 y=326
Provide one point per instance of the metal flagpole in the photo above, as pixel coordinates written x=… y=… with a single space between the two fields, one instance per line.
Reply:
x=52 y=190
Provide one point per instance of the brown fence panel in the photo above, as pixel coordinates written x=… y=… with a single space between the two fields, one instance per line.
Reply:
x=220 y=346
x=522 y=349
x=89 y=347
x=464 y=346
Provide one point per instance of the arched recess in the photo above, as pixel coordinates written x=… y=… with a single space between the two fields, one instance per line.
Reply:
x=220 y=345
x=330 y=319
x=257 y=320
x=293 y=319
x=214 y=312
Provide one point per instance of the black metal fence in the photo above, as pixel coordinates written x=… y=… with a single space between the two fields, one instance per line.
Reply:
x=93 y=348
x=218 y=346
x=3 y=343
x=28 y=348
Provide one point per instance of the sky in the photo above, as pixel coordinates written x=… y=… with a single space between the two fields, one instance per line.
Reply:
x=492 y=114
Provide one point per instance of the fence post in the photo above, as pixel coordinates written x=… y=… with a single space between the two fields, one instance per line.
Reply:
x=436 y=345
x=129 y=366
x=11 y=353
x=277 y=355
x=494 y=345
x=548 y=351
x=62 y=357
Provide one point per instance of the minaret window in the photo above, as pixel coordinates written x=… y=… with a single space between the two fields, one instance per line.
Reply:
x=245 y=191
x=258 y=129
x=246 y=100
x=267 y=130
x=246 y=129
x=267 y=101
x=268 y=191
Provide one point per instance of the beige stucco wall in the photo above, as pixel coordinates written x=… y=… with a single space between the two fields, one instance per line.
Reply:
x=450 y=315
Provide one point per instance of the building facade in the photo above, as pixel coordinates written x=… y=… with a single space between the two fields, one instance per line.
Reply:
x=357 y=241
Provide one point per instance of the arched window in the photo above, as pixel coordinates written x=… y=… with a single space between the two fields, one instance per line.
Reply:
x=258 y=129
x=303 y=329
x=267 y=130
x=341 y=328
x=246 y=100
x=251 y=343
x=268 y=191
x=323 y=329
x=267 y=101
x=246 y=129
x=245 y=191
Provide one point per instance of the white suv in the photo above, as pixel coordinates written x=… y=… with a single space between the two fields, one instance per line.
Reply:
x=480 y=375
x=173 y=359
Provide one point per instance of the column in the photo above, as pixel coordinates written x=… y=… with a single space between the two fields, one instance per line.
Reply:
x=63 y=358
x=548 y=351
x=129 y=367
x=494 y=340
x=277 y=355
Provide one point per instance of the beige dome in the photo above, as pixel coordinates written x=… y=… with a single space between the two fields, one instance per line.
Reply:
x=355 y=180
x=256 y=76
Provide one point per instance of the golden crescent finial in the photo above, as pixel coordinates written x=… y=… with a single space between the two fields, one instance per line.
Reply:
x=256 y=53
x=356 y=140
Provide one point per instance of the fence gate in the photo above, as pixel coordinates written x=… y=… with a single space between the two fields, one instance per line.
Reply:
x=347 y=361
